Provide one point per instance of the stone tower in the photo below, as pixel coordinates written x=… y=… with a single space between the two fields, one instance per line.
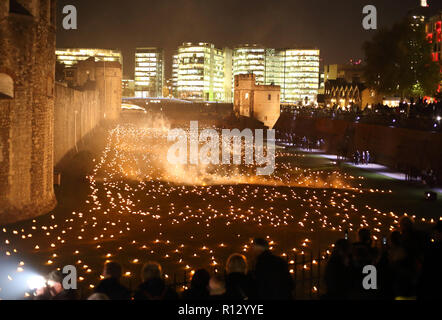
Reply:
x=27 y=71
x=261 y=102
x=108 y=76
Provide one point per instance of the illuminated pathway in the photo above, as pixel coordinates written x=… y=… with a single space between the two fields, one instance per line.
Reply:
x=371 y=167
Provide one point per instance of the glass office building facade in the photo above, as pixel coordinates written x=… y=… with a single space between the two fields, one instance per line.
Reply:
x=296 y=71
x=206 y=73
x=203 y=72
x=149 y=72
x=300 y=76
x=250 y=59
x=175 y=70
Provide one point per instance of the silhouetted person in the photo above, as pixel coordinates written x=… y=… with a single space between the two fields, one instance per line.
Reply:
x=54 y=289
x=338 y=271
x=402 y=269
x=412 y=240
x=199 y=286
x=271 y=274
x=153 y=286
x=110 y=285
x=363 y=252
x=238 y=284
x=430 y=286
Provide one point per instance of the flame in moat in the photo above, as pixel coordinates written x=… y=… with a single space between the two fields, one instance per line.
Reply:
x=140 y=153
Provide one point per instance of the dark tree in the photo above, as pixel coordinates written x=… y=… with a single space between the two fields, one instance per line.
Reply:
x=399 y=62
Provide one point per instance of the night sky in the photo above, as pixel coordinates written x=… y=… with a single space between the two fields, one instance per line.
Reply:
x=333 y=26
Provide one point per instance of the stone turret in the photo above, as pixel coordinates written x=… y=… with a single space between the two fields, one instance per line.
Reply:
x=27 y=71
x=261 y=102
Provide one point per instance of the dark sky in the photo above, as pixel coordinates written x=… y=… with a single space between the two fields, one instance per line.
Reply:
x=333 y=26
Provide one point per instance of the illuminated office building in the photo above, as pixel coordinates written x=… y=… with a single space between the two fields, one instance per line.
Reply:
x=300 y=82
x=295 y=71
x=175 y=70
x=250 y=59
x=204 y=72
x=128 y=87
x=266 y=64
x=274 y=62
x=149 y=72
x=71 y=56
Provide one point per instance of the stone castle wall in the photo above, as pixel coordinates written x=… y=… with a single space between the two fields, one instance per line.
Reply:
x=394 y=147
x=39 y=121
x=79 y=111
x=27 y=57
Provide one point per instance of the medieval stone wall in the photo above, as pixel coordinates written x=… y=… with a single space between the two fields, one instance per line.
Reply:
x=79 y=111
x=27 y=56
x=31 y=103
x=393 y=147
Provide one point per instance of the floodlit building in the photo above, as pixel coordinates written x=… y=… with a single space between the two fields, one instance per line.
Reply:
x=339 y=92
x=71 y=56
x=266 y=64
x=204 y=72
x=352 y=73
x=128 y=87
x=300 y=83
x=175 y=70
x=296 y=71
x=149 y=72
x=275 y=67
x=261 y=102
x=250 y=59
x=344 y=86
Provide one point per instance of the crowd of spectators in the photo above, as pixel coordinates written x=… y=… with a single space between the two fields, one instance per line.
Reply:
x=419 y=115
x=408 y=265
x=268 y=279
